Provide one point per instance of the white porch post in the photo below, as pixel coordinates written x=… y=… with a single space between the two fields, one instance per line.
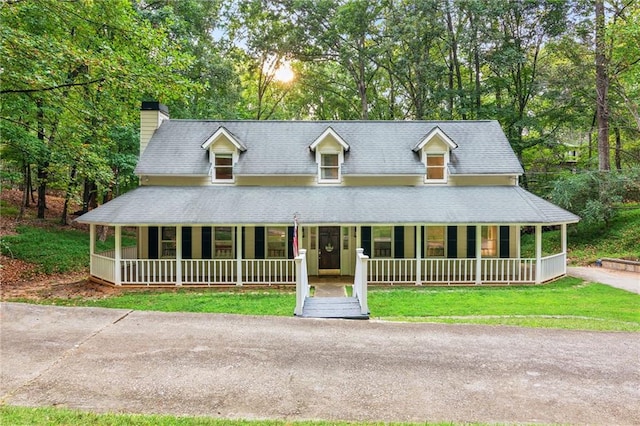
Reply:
x=358 y=236
x=538 y=254
x=179 y=255
x=563 y=236
x=478 y=254
x=418 y=255
x=92 y=246
x=118 y=255
x=518 y=246
x=239 y=255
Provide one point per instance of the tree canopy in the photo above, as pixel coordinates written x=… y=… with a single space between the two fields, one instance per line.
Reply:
x=556 y=75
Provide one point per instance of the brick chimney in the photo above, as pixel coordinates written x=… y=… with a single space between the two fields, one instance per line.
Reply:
x=152 y=114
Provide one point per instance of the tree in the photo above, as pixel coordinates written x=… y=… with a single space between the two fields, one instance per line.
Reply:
x=71 y=71
x=602 y=89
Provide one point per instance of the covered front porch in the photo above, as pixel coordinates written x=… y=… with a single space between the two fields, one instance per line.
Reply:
x=176 y=265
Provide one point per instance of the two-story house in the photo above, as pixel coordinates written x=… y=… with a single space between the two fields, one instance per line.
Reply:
x=429 y=202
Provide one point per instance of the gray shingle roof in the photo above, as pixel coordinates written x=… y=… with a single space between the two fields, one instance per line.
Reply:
x=282 y=147
x=157 y=205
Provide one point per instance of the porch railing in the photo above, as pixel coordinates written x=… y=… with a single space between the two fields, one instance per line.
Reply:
x=461 y=271
x=360 y=282
x=212 y=272
x=103 y=267
x=268 y=271
x=553 y=266
x=302 y=282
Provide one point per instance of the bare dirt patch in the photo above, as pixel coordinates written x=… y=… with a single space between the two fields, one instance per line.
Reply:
x=21 y=280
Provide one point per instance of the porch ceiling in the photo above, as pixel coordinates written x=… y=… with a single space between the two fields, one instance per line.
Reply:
x=162 y=205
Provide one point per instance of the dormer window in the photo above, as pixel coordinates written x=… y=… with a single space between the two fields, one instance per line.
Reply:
x=224 y=151
x=329 y=167
x=435 y=167
x=223 y=167
x=434 y=151
x=329 y=148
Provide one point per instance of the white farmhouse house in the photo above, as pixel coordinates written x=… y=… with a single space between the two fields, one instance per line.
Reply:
x=429 y=202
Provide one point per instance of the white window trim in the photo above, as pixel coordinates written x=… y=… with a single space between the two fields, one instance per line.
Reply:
x=445 y=179
x=319 y=155
x=234 y=160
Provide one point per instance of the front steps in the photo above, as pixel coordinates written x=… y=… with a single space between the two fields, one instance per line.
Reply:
x=332 y=307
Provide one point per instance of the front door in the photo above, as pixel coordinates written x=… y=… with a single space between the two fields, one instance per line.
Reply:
x=329 y=250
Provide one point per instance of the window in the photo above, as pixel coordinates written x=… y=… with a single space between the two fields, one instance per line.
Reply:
x=168 y=242
x=382 y=241
x=223 y=167
x=435 y=167
x=223 y=242
x=312 y=243
x=489 y=241
x=276 y=243
x=329 y=167
x=435 y=241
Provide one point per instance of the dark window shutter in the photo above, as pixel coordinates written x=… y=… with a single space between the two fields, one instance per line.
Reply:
x=153 y=242
x=398 y=240
x=365 y=239
x=290 y=242
x=452 y=242
x=244 y=244
x=471 y=242
x=504 y=241
x=259 y=242
x=187 y=252
x=206 y=242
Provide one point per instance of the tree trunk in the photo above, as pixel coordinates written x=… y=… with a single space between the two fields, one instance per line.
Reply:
x=67 y=195
x=43 y=175
x=25 y=191
x=602 y=87
x=43 y=165
x=616 y=131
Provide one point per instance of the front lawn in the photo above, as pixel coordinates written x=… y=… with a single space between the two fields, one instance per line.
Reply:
x=567 y=303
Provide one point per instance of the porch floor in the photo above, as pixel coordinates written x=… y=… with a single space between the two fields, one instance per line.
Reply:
x=332 y=307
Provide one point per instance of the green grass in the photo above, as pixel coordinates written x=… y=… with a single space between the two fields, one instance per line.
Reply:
x=567 y=303
x=621 y=239
x=19 y=416
x=54 y=250
x=245 y=302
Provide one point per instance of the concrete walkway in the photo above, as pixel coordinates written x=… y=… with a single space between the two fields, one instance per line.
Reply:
x=629 y=281
x=231 y=366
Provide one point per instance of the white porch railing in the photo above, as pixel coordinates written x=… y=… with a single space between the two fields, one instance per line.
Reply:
x=125 y=253
x=148 y=271
x=208 y=271
x=506 y=271
x=268 y=271
x=302 y=282
x=447 y=271
x=553 y=266
x=103 y=267
x=360 y=283
x=211 y=272
x=392 y=270
x=461 y=271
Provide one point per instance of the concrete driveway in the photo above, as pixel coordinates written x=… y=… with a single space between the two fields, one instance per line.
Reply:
x=232 y=366
x=629 y=281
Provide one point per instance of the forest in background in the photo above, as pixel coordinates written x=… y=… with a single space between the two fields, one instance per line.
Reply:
x=562 y=78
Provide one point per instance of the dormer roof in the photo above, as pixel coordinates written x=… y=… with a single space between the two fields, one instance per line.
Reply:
x=329 y=133
x=436 y=132
x=222 y=132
